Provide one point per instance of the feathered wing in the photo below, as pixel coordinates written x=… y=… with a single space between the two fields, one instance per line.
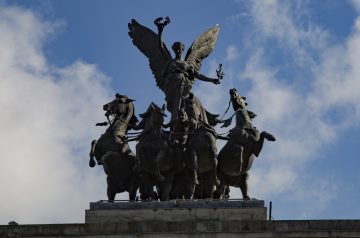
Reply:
x=147 y=42
x=202 y=47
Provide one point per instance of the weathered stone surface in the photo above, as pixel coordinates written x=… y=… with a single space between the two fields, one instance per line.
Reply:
x=187 y=204
x=176 y=211
x=208 y=219
x=306 y=228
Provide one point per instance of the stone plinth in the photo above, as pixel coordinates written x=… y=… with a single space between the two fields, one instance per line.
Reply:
x=176 y=211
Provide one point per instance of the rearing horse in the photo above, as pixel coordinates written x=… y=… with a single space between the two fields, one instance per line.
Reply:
x=112 y=150
x=236 y=157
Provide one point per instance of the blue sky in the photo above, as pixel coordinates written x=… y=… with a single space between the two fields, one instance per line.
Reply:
x=297 y=62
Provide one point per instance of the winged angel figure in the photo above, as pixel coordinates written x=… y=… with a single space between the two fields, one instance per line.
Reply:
x=174 y=76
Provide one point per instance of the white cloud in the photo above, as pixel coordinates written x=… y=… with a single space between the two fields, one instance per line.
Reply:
x=356 y=4
x=308 y=120
x=231 y=53
x=46 y=124
x=49 y=112
x=292 y=29
x=303 y=121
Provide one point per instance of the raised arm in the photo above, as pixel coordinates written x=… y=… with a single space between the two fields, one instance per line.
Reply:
x=160 y=26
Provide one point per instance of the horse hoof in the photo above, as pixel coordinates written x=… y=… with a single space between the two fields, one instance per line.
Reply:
x=92 y=163
x=268 y=136
x=217 y=194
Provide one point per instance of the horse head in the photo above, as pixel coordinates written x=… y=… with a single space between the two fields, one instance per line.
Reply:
x=121 y=108
x=152 y=119
x=243 y=116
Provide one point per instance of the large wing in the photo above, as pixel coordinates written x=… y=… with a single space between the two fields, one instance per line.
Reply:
x=202 y=47
x=147 y=42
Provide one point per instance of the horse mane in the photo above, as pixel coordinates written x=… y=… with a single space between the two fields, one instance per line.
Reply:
x=133 y=120
x=146 y=115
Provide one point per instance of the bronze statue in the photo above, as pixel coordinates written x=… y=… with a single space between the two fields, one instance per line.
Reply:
x=154 y=155
x=183 y=162
x=185 y=173
x=174 y=76
x=244 y=143
x=179 y=132
x=202 y=151
x=112 y=150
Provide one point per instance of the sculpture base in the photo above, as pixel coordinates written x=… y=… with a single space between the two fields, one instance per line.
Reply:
x=176 y=211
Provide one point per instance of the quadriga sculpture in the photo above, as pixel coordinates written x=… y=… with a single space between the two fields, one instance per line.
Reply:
x=112 y=150
x=154 y=155
x=236 y=157
x=175 y=77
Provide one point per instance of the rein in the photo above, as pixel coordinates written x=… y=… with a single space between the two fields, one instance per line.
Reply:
x=127 y=123
x=227 y=109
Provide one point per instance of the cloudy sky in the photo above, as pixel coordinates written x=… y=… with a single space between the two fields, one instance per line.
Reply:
x=297 y=62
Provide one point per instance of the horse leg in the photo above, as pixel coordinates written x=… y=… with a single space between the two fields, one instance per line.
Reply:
x=198 y=190
x=219 y=192
x=227 y=192
x=243 y=184
x=238 y=153
x=146 y=187
x=166 y=185
x=187 y=183
x=247 y=161
x=267 y=136
x=213 y=162
x=159 y=177
x=92 y=154
x=133 y=187
x=258 y=144
x=178 y=158
x=208 y=188
x=193 y=165
x=111 y=190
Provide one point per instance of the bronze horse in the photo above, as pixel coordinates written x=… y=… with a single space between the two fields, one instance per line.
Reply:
x=112 y=150
x=202 y=148
x=244 y=143
x=185 y=170
x=154 y=155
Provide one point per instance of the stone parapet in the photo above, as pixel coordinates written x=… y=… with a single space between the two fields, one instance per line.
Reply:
x=208 y=229
x=176 y=211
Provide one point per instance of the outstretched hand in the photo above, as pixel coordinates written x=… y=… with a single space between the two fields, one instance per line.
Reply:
x=219 y=72
x=216 y=81
x=160 y=25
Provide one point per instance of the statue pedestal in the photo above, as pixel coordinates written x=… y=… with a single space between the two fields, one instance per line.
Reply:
x=176 y=211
